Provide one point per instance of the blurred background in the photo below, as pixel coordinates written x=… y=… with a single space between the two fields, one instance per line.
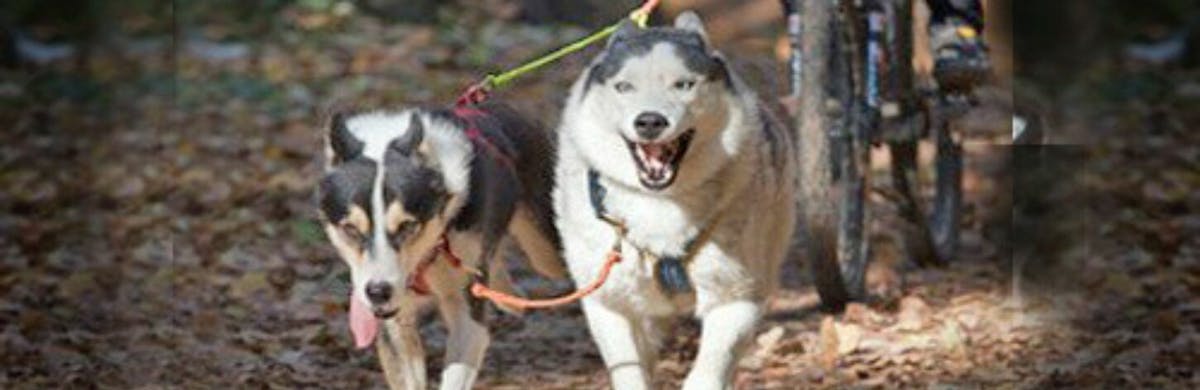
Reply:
x=157 y=225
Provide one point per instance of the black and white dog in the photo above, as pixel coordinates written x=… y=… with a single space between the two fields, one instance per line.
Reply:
x=397 y=184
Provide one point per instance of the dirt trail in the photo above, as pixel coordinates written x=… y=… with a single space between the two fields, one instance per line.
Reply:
x=157 y=228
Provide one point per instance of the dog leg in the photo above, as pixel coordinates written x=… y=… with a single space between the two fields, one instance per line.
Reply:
x=649 y=338
x=467 y=340
x=501 y=280
x=726 y=330
x=401 y=353
x=540 y=251
x=618 y=343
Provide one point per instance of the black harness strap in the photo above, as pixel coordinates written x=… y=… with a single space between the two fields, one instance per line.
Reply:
x=597 y=192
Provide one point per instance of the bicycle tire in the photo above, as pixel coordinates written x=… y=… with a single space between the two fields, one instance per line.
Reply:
x=930 y=237
x=832 y=196
x=916 y=239
x=854 y=161
x=946 y=218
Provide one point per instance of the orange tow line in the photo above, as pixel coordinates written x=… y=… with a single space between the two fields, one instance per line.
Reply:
x=479 y=289
x=482 y=291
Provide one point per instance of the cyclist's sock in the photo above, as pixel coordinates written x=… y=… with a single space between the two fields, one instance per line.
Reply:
x=970 y=11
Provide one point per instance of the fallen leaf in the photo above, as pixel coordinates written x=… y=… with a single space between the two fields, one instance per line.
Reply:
x=859 y=313
x=790 y=347
x=969 y=319
x=768 y=340
x=249 y=284
x=828 y=344
x=953 y=338
x=914 y=314
x=848 y=336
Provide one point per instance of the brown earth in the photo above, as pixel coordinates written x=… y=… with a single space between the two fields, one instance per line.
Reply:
x=158 y=230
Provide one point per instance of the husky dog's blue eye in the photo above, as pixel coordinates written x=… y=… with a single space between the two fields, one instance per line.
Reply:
x=684 y=85
x=623 y=86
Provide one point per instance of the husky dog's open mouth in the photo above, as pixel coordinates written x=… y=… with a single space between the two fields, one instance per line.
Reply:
x=658 y=162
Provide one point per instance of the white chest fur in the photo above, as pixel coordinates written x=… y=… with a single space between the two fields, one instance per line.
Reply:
x=657 y=225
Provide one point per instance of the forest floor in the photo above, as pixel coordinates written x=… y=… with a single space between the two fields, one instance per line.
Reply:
x=158 y=228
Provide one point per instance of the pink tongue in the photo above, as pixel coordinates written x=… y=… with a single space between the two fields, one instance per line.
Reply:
x=653 y=151
x=363 y=324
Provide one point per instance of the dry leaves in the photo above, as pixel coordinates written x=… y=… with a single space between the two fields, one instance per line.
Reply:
x=914 y=314
x=157 y=230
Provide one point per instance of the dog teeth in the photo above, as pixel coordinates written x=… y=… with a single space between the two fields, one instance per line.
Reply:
x=656 y=159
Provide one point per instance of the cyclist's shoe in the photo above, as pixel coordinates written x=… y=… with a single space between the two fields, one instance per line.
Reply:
x=960 y=56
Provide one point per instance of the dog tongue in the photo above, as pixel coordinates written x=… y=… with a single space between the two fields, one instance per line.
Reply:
x=654 y=157
x=653 y=151
x=363 y=324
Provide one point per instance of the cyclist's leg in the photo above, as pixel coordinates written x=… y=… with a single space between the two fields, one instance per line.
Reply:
x=956 y=36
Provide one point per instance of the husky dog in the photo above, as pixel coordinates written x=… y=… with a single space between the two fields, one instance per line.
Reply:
x=399 y=183
x=665 y=151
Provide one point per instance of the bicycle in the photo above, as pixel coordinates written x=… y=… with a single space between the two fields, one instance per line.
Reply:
x=851 y=66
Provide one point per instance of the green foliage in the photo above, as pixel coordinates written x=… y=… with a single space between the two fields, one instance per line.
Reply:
x=316 y=5
x=307 y=231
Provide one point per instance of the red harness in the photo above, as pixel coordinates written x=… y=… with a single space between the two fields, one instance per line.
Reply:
x=478 y=288
x=471 y=115
x=417 y=282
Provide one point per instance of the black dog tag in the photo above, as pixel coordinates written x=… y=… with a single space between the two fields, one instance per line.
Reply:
x=671 y=276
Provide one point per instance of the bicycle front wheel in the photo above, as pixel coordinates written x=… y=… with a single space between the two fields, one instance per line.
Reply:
x=831 y=175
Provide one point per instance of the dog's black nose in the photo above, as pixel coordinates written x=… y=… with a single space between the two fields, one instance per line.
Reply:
x=379 y=292
x=650 y=124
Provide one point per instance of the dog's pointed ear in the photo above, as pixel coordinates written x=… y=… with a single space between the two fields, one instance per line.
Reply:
x=625 y=29
x=690 y=21
x=720 y=70
x=343 y=146
x=407 y=143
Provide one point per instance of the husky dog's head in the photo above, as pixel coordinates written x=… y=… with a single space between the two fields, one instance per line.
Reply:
x=393 y=182
x=656 y=94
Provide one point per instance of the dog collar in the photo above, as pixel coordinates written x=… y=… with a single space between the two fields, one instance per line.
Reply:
x=416 y=281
